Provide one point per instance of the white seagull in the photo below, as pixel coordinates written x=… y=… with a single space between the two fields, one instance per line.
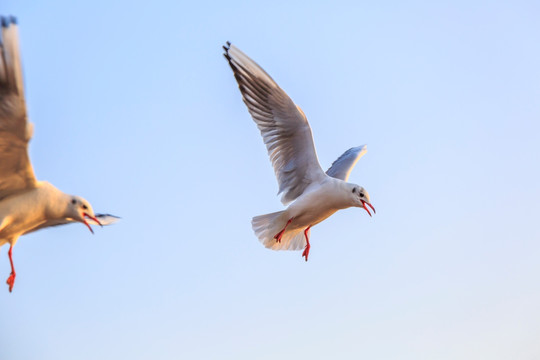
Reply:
x=26 y=204
x=315 y=195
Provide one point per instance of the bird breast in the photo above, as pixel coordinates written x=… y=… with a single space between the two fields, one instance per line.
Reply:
x=317 y=205
x=24 y=211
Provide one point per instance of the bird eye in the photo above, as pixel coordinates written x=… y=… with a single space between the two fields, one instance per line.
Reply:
x=361 y=194
x=85 y=207
x=354 y=190
x=73 y=201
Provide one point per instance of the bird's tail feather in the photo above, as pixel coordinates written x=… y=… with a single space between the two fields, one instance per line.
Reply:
x=268 y=225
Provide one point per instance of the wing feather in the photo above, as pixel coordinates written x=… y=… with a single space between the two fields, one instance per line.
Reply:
x=104 y=219
x=283 y=126
x=342 y=167
x=16 y=172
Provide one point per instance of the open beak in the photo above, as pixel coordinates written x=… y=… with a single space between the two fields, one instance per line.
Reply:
x=88 y=225
x=365 y=207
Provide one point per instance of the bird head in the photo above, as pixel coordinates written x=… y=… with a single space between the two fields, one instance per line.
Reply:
x=360 y=198
x=80 y=210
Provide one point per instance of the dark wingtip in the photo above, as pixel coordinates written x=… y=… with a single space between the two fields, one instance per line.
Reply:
x=7 y=20
x=114 y=216
x=226 y=48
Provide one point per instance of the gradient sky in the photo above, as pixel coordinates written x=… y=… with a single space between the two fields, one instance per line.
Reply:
x=136 y=110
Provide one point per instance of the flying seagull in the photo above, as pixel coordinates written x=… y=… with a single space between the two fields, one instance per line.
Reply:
x=27 y=205
x=312 y=194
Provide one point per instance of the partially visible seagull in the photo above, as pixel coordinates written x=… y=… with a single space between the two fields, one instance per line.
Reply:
x=315 y=195
x=26 y=204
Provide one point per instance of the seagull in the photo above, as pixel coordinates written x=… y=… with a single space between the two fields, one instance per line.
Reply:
x=27 y=205
x=311 y=194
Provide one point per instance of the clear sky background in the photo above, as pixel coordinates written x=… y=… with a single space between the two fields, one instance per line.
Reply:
x=136 y=110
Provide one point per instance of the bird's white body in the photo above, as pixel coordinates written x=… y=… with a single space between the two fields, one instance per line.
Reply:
x=28 y=210
x=313 y=195
x=316 y=205
x=312 y=207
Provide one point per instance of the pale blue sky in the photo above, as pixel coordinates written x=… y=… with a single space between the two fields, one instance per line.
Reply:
x=136 y=110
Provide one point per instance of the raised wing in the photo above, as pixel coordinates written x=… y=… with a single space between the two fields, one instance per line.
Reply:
x=16 y=172
x=104 y=219
x=283 y=126
x=49 y=223
x=341 y=168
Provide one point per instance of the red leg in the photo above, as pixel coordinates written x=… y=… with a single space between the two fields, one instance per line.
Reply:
x=11 y=279
x=279 y=235
x=306 y=250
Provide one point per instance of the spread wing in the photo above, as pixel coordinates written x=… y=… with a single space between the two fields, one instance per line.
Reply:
x=104 y=219
x=16 y=172
x=342 y=167
x=49 y=223
x=283 y=126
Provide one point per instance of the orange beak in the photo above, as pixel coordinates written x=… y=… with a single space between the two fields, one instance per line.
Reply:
x=371 y=206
